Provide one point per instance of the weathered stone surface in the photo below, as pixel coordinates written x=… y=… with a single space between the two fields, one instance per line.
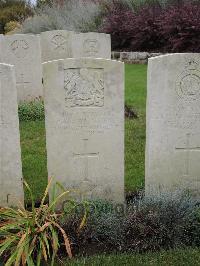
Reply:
x=11 y=192
x=84 y=104
x=62 y=44
x=91 y=44
x=23 y=51
x=56 y=45
x=173 y=124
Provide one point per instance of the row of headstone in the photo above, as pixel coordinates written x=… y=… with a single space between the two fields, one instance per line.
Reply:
x=60 y=44
x=28 y=52
x=85 y=127
x=84 y=113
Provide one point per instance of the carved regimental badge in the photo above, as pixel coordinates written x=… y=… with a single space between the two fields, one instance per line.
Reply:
x=91 y=47
x=19 y=48
x=84 y=87
x=188 y=83
x=59 y=42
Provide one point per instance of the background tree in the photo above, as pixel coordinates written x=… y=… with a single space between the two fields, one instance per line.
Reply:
x=13 y=11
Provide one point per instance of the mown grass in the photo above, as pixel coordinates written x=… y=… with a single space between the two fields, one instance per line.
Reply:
x=187 y=257
x=34 y=158
x=33 y=139
x=135 y=96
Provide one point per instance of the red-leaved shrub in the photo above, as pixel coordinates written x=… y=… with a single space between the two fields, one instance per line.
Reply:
x=180 y=25
x=145 y=30
x=116 y=24
x=175 y=28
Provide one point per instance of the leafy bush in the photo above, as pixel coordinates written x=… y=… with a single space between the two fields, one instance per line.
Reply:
x=137 y=4
x=163 y=222
x=180 y=26
x=78 y=15
x=136 y=25
x=12 y=10
x=31 y=111
x=11 y=26
x=148 y=224
x=101 y=231
x=171 y=26
x=142 y=32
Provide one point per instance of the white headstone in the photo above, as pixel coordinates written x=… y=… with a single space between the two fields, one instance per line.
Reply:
x=56 y=44
x=11 y=185
x=173 y=124
x=91 y=44
x=62 y=44
x=84 y=103
x=23 y=51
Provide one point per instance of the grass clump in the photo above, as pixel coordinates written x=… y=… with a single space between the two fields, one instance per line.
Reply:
x=32 y=237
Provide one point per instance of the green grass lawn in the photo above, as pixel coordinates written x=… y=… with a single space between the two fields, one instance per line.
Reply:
x=33 y=139
x=179 y=257
x=187 y=257
x=135 y=96
x=34 y=156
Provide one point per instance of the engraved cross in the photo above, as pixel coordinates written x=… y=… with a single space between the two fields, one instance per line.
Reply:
x=86 y=156
x=187 y=149
x=22 y=81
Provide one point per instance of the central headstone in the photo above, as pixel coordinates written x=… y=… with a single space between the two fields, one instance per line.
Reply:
x=173 y=124
x=84 y=103
x=11 y=184
x=23 y=51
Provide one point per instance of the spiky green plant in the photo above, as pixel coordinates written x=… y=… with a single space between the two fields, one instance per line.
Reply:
x=30 y=237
